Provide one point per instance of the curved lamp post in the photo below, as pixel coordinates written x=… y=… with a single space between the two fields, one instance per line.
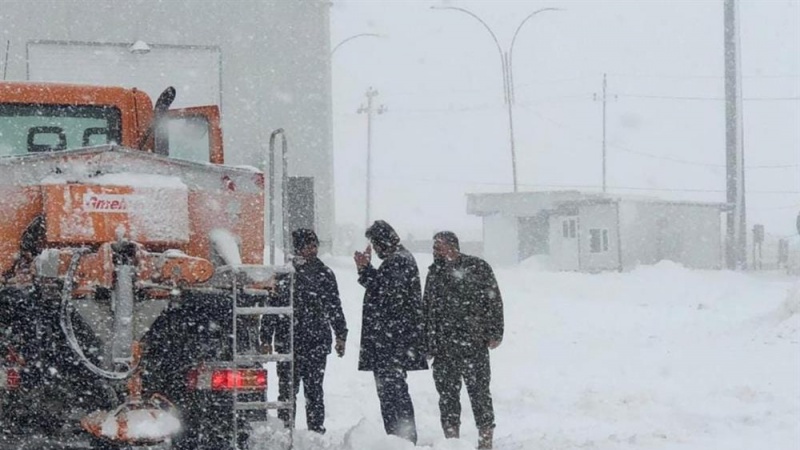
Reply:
x=369 y=110
x=506 y=58
x=348 y=39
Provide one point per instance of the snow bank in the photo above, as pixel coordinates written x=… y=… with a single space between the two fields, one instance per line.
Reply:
x=662 y=357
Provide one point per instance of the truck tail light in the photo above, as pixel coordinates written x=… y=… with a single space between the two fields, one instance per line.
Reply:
x=9 y=379
x=227 y=379
x=9 y=373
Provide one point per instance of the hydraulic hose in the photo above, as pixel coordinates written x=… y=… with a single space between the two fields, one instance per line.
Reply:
x=65 y=320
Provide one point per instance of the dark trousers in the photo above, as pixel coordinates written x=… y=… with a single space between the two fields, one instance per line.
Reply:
x=309 y=370
x=473 y=368
x=396 y=407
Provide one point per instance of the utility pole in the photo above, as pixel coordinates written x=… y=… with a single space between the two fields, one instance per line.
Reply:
x=369 y=110
x=604 y=132
x=736 y=236
x=604 y=99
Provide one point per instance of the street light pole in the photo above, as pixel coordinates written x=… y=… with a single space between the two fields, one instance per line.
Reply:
x=506 y=60
x=510 y=106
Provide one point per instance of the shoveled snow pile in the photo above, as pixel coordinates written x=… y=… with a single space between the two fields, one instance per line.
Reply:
x=658 y=358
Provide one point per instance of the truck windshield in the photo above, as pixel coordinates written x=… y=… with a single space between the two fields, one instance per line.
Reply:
x=29 y=128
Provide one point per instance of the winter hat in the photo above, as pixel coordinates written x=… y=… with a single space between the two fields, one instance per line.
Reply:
x=447 y=237
x=382 y=233
x=303 y=237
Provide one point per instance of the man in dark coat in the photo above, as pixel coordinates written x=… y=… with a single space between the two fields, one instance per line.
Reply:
x=464 y=313
x=393 y=327
x=317 y=309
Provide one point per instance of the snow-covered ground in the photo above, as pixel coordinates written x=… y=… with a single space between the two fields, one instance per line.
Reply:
x=658 y=358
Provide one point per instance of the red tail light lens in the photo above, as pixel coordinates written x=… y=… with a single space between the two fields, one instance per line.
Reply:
x=9 y=379
x=226 y=379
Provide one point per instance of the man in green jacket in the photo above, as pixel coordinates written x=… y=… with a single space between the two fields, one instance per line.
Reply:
x=464 y=318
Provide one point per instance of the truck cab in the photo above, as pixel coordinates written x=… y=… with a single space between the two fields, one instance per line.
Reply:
x=45 y=117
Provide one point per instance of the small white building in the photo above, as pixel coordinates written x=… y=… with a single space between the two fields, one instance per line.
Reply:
x=571 y=230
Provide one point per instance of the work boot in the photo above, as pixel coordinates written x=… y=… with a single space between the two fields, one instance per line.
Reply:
x=485 y=438
x=451 y=432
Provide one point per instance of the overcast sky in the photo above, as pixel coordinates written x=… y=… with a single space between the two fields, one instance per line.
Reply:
x=445 y=132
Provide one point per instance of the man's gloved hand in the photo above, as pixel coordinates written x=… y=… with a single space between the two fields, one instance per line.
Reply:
x=493 y=344
x=339 y=347
x=363 y=259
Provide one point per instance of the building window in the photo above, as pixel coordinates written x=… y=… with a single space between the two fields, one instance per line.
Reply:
x=569 y=228
x=598 y=240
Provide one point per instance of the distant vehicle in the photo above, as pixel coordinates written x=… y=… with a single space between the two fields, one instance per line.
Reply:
x=127 y=252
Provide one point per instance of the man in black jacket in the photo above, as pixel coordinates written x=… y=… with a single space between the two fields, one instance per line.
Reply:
x=393 y=326
x=317 y=309
x=464 y=312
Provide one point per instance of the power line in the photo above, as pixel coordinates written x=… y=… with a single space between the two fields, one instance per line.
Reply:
x=654 y=156
x=574 y=131
x=532 y=101
x=770 y=208
x=776 y=166
x=480 y=90
x=553 y=81
x=625 y=149
x=459 y=109
x=583 y=186
x=699 y=76
x=697 y=98
x=487 y=107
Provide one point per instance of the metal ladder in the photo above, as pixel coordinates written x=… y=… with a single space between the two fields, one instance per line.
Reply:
x=251 y=359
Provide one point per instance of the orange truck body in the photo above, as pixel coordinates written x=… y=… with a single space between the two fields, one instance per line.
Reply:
x=97 y=195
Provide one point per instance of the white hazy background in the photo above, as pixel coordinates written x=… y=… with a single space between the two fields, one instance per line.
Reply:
x=445 y=132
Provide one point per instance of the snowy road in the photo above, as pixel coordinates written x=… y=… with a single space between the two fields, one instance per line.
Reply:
x=659 y=358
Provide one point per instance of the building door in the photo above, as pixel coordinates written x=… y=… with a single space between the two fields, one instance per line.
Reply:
x=569 y=244
x=534 y=234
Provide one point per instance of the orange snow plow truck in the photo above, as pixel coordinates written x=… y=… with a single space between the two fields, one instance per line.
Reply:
x=131 y=274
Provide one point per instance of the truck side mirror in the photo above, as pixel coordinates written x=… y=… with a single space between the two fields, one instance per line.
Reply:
x=46 y=139
x=162 y=106
x=165 y=100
